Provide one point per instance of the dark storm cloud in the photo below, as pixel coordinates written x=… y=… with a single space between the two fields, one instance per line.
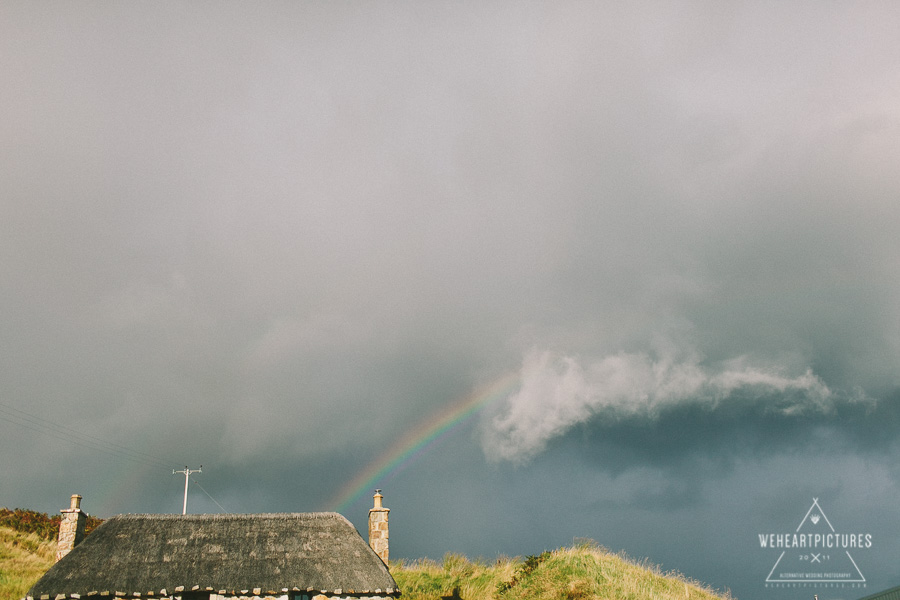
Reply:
x=746 y=427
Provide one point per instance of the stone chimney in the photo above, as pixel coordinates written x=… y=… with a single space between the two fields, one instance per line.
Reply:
x=71 y=528
x=378 y=528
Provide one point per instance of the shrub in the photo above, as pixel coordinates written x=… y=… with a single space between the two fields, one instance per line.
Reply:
x=38 y=523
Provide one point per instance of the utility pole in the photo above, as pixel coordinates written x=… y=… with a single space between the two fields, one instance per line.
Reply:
x=187 y=473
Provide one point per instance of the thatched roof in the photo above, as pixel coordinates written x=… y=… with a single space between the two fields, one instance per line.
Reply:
x=147 y=555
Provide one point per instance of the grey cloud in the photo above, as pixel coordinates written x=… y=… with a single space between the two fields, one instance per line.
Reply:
x=273 y=239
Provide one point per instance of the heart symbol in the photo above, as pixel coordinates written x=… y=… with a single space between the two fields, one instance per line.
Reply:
x=814 y=519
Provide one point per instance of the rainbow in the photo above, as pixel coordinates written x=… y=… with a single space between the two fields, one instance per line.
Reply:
x=415 y=443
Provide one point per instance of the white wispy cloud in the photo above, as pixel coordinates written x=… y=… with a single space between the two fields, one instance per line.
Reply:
x=558 y=392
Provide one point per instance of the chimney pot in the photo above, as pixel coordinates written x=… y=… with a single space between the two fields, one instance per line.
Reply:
x=76 y=502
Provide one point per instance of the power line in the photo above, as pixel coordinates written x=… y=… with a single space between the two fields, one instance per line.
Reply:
x=33 y=422
x=207 y=493
x=76 y=437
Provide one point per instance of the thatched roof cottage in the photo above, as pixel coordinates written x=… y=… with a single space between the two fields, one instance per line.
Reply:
x=288 y=556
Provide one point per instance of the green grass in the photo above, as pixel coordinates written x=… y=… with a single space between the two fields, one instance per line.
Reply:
x=28 y=548
x=24 y=557
x=424 y=578
x=579 y=573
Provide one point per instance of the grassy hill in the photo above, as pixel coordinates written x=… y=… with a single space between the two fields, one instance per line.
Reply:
x=576 y=573
x=24 y=557
x=27 y=548
x=581 y=572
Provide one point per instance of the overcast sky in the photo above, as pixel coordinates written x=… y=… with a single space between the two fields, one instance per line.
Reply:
x=274 y=238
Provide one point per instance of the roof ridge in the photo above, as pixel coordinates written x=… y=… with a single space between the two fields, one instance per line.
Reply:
x=229 y=516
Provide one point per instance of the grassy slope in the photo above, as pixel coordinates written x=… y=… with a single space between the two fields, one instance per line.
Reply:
x=584 y=572
x=24 y=557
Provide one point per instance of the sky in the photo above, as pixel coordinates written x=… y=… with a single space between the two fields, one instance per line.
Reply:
x=541 y=272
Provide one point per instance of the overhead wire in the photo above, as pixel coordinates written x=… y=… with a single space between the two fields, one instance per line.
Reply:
x=210 y=497
x=39 y=424
x=33 y=422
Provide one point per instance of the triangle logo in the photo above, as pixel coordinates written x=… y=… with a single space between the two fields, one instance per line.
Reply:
x=815 y=552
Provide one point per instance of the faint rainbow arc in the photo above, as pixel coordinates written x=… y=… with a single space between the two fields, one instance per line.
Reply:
x=420 y=438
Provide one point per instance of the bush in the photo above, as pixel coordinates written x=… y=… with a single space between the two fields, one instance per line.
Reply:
x=525 y=569
x=38 y=523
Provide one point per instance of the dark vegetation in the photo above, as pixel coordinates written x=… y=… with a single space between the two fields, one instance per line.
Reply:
x=523 y=571
x=38 y=523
